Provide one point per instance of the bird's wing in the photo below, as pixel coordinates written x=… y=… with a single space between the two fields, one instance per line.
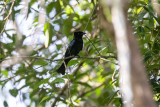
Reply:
x=70 y=48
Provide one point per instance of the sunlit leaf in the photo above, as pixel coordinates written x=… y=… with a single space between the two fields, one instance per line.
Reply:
x=44 y=98
x=47 y=38
x=4 y=72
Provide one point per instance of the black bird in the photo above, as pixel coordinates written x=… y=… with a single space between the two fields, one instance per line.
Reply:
x=73 y=49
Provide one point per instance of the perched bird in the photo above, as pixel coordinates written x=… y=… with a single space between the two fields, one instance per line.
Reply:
x=73 y=49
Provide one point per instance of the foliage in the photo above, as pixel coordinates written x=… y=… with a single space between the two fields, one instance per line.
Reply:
x=94 y=80
x=146 y=26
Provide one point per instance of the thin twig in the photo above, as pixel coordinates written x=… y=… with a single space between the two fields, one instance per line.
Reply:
x=86 y=27
x=8 y=78
x=68 y=82
x=61 y=59
x=65 y=86
x=94 y=88
x=6 y=18
x=113 y=79
x=69 y=90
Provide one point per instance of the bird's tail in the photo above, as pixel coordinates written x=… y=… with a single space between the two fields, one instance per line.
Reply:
x=61 y=69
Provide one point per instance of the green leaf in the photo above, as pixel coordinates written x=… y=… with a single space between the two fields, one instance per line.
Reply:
x=41 y=82
x=156 y=48
x=89 y=27
x=47 y=38
x=21 y=70
x=147 y=38
x=35 y=20
x=5 y=103
x=151 y=67
x=149 y=10
x=140 y=30
x=13 y=92
x=55 y=5
x=58 y=47
x=32 y=2
x=68 y=76
x=58 y=6
x=141 y=15
x=72 y=62
x=48 y=30
x=1 y=25
x=98 y=91
x=59 y=80
x=112 y=97
x=142 y=2
x=93 y=50
x=44 y=98
x=40 y=62
x=54 y=56
x=4 y=72
x=2 y=56
x=151 y=23
x=34 y=92
x=147 y=57
x=68 y=25
x=8 y=0
x=50 y=7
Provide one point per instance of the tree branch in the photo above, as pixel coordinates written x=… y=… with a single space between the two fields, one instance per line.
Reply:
x=15 y=59
x=61 y=59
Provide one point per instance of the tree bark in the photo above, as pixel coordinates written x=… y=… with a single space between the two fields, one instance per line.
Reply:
x=134 y=86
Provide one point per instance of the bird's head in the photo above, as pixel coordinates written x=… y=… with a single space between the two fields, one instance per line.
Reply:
x=79 y=34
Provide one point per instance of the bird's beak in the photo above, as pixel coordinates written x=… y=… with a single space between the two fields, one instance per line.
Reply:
x=84 y=33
